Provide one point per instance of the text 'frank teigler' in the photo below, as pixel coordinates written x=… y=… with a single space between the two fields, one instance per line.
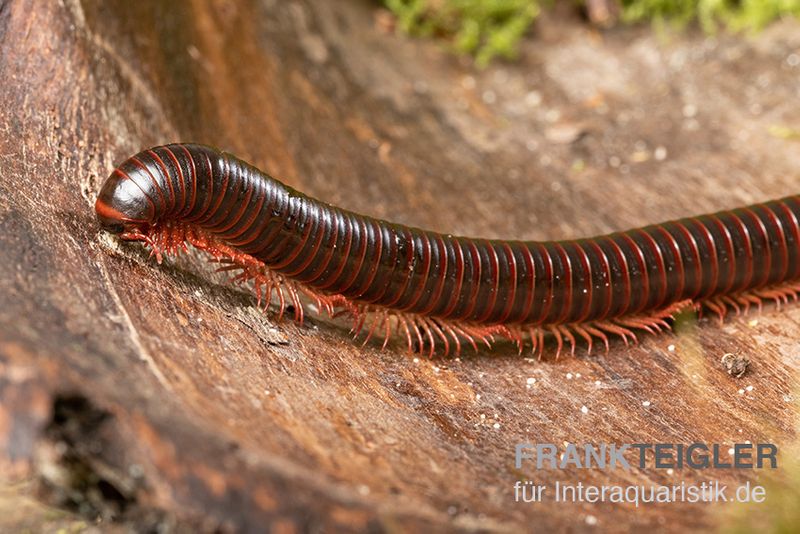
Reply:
x=646 y=455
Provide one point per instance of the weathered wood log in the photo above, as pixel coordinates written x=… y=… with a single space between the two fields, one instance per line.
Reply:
x=155 y=394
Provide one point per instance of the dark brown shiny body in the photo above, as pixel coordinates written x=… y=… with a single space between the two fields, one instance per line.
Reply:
x=481 y=281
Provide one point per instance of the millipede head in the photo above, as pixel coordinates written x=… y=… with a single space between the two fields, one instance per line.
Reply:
x=123 y=207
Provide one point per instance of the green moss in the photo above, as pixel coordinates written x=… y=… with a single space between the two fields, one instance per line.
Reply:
x=490 y=28
x=736 y=15
x=483 y=28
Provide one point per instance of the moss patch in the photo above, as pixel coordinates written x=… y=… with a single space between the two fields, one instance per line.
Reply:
x=493 y=28
x=483 y=28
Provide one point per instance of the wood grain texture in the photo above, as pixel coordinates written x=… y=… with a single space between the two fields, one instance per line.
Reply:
x=167 y=385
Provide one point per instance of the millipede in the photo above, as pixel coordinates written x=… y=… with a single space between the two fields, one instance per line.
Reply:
x=437 y=290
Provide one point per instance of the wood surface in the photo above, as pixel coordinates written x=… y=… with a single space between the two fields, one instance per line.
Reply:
x=151 y=395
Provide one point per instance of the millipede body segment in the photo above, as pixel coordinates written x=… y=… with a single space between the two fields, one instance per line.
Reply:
x=438 y=289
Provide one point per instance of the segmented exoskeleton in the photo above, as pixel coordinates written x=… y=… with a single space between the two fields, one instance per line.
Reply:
x=435 y=288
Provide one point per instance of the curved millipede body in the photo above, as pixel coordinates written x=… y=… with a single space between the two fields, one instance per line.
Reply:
x=437 y=289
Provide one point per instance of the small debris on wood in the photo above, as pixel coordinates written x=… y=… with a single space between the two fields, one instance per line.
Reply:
x=565 y=133
x=736 y=365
